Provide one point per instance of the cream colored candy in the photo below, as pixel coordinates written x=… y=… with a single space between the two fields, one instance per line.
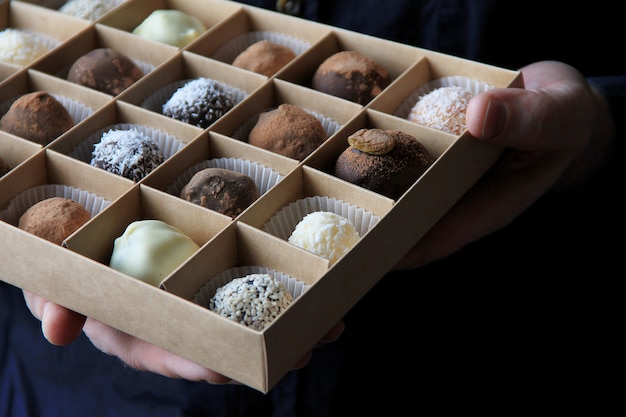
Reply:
x=20 y=47
x=150 y=250
x=443 y=108
x=170 y=26
x=325 y=234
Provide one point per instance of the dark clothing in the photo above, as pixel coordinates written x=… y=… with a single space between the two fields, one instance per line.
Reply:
x=520 y=322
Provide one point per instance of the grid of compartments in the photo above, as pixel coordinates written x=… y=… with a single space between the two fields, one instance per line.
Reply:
x=77 y=274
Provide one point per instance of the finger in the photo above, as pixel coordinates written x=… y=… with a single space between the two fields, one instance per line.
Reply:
x=145 y=356
x=60 y=326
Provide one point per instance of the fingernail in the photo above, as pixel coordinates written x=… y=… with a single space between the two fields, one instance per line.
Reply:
x=495 y=117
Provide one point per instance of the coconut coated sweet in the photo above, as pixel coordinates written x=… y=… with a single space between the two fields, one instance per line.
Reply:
x=199 y=102
x=325 y=234
x=128 y=153
x=444 y=109
x=170 y=26
x=20 y=47
x=150 y=250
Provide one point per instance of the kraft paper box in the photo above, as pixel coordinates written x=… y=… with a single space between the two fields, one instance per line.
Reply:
x=76 y=274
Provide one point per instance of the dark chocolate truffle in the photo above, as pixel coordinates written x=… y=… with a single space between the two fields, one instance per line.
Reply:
x=54 y=219
x=264 y=57
x=225 y=191
x=288 y=130
x=105 y=70
x=38 y=117
x=384 y=161
x=128 y=153
x=351 y=76
x=199 y=102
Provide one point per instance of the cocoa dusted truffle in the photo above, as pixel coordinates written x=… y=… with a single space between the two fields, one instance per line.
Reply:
x=38 y=117
x=288 y=130
x=351 y=76
x=54 y=219
x=105 y=70
x=225 y=191
x=264 y=57
x=128 y=153
x=199 y=102
x=384 y=161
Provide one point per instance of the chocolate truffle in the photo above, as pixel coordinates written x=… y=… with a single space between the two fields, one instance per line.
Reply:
x=351 y=76
x=325 y=234
x=254 y=300
x=225 y=191
x=20 y=47
x=38 y=117
x=443 y=108
x=170 y=26
x=288 y=130
x=105 y=70
x=128 y=153
x=384 y=161
x=87 y=9
x=4 y=167
x=54 y=219
x=264 y=57
x=199 y=102
x=150 y=250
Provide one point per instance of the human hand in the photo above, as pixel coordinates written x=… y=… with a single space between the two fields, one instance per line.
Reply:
x=555 y=131
x=61 y=326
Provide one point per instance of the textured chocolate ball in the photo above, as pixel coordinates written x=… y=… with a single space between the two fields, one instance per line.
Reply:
x=105 y=70
x=351 y=76
x=288 y=130
x=38 y=117
x=389 y=170
x=199 y=102
x=264 y=57
x=54 y=219
x=128 y=153
x=225 y=191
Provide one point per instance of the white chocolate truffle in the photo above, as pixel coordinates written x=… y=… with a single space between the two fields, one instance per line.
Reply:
x=170 y=26
x=325 y=234
x=20 y=47
x=88 y=9
x=150 y=250
x=443 y=108
x=254 y=300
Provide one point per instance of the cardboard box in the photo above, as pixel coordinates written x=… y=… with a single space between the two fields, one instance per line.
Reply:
x=77 y=274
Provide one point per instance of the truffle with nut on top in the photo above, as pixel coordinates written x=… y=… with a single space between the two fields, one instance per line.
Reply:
x=384 y=161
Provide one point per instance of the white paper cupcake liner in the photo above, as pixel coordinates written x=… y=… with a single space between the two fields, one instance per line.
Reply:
x=168 y=144
x=93 y=203
x=264 y=177
x=329 y=125
x=79 y=111
x=283 y=223
x=203 y=296
x=473 y=85
x=156 y=100
x=229 y=51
